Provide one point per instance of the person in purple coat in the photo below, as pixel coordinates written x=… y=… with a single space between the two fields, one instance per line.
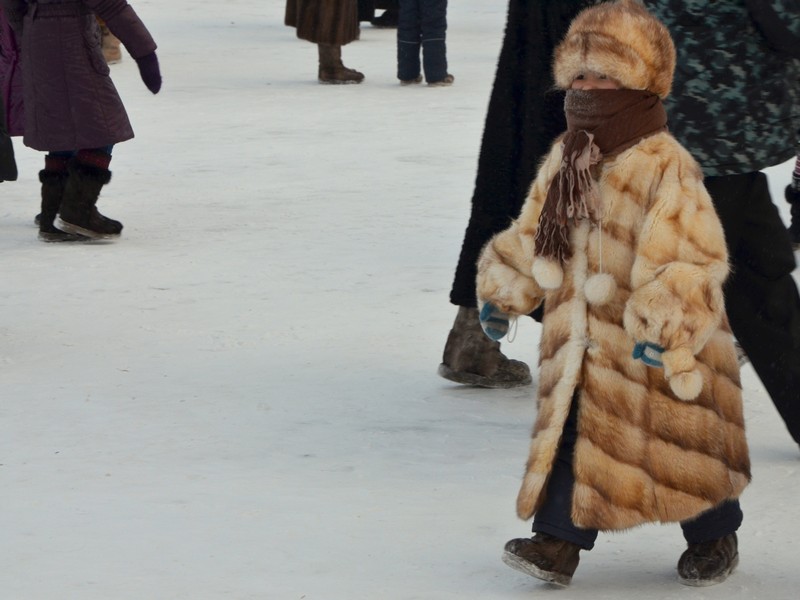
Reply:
x=72 y=109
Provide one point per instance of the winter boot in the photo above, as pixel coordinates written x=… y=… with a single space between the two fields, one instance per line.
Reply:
x=544 y=557
x=52 y=192
x=471 y=358
x=331 y=69
x=793 y=198
x=388 y=20
x=78 y=213
x=708 y=563
x=110 y=45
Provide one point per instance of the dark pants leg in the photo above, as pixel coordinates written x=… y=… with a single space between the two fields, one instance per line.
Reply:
x=409 y=40
x=433 y=25
x=761 y=296
x=713 y=524
x=554 y=516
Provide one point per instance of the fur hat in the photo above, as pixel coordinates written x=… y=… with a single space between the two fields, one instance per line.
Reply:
x=620 y=40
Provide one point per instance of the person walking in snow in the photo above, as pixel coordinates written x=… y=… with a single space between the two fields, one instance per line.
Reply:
x=330 y=25
x=76 y=119
x=736 y=108
x=422 y=30
x=640 y=415
x=525 y=115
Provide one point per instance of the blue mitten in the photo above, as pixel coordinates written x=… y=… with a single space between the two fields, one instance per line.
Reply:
x=649 y=354
x=494 y=322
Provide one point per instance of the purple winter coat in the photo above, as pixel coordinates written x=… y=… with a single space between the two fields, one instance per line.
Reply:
x=70 y=101
x=10 y=77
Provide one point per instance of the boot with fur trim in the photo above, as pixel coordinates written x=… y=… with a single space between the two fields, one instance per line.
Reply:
x=543 y=556
x=78 y=213
x=471 y=358
x=708 y=563
x=53 y=183
x=331 y=68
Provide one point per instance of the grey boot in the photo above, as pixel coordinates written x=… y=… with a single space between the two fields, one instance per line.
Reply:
x=331 y=68
x=472 y=358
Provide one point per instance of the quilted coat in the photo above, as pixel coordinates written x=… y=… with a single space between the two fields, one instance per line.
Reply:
x=70 y=100
x=654 y=444
x=324 y=21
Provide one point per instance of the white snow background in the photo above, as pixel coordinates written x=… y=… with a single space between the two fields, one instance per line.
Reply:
x=238 y=399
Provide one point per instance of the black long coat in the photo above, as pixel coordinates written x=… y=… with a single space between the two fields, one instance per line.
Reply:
x=524 y=117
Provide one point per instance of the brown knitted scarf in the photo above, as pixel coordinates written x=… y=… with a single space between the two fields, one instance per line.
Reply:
x=600 y=124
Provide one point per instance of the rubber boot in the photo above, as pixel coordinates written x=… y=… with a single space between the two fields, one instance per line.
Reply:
x=53 y=183
x=471 y=358
x=543 y=556
x=331 y=69
x=78 y=213
x=708 y=563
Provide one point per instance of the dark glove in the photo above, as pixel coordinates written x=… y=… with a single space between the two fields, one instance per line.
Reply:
x=148 y=69
x=792 y=194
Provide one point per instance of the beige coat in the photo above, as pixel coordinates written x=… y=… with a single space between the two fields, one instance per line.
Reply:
x=653 y=444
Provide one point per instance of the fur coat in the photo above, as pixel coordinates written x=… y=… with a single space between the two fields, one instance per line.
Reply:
x=647 y=451
x=323 y=21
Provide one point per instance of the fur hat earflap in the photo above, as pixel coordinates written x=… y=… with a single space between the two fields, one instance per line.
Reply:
x=620 y=40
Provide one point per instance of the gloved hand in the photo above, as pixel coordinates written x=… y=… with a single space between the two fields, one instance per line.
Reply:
x=493 y=321
x=649 y=354
x=149 y=71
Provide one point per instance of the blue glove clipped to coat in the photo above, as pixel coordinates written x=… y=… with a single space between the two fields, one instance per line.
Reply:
x=649 y=354
x=493 y=321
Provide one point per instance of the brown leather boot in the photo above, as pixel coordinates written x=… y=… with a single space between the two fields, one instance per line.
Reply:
x=544 y=557
x=331 y=69
x=708 y=563
x=110 y=45
x=471 y=358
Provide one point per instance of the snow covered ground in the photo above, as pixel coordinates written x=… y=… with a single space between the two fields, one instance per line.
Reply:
x=239 y=398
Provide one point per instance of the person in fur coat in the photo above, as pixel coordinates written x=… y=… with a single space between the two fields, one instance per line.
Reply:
x=640 y=415
x=330 y=24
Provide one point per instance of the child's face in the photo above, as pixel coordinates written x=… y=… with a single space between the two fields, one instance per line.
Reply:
x=594 y=81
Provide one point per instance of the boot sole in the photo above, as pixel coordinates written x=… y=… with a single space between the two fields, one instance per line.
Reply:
x=61 y=238
x=476 y=380
x=88 y=233
x=711 y=580
x=527 y=567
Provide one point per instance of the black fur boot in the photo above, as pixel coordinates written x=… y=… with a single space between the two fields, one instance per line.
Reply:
x=53 y=183
x=78 y=213
x=793 y=198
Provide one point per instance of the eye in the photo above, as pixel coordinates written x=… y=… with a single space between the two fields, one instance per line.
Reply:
x=580 y=76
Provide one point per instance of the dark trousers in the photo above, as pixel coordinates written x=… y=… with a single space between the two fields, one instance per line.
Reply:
x=421 y=28
x=761 y=296
x=554 y=516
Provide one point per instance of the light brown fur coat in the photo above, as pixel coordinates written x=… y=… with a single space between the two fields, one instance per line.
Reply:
x=642 y=454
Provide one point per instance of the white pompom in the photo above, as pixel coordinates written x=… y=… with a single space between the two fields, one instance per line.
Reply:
x=547 y=273
x=600 y=288
x=688 y=385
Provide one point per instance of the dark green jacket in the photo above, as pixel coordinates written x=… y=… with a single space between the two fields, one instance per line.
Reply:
x=735 y=101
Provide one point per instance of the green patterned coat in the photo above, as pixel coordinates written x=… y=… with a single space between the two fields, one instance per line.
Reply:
x=735 y=102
